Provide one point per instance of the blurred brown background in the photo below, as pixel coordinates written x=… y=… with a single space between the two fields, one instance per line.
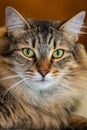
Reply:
x=46 y=9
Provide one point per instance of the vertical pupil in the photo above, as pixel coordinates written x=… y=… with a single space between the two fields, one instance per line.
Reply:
x=28 y=51
x=57 y=52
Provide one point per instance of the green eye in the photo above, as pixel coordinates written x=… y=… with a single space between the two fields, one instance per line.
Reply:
x=58 y=53
x=28 y=52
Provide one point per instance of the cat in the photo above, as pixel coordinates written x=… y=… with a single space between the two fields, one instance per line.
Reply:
x=43 y=74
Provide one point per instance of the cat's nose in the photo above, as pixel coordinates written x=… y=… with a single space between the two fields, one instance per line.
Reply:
x=43 y=72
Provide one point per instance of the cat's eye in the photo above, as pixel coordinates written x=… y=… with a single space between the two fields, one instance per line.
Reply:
x=58 y=53
x=28 y=52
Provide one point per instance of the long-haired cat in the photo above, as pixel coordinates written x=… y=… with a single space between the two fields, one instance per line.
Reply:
x=43 y=74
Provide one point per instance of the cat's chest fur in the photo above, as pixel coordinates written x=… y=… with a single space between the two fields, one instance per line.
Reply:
x=82 y=109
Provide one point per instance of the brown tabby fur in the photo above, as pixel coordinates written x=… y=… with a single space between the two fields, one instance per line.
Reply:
x=24 y=108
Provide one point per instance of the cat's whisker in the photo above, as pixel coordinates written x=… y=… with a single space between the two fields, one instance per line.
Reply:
x=10 y=77
x=76 y=72
x=69 y=78
x=13 y=86
x=29 y=73
x=13 y=76
x=28 y=76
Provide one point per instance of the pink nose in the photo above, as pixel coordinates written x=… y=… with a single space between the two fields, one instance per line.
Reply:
x=43 y=72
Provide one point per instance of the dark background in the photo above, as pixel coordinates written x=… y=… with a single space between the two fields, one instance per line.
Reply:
x=47 y=10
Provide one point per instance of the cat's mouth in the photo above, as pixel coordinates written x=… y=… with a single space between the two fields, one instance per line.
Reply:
x=42 y=80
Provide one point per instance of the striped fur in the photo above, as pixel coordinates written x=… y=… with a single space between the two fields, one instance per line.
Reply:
x=27 y=100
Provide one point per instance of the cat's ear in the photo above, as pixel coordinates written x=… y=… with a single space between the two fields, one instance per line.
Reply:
x=72 y=27
x=14 y=20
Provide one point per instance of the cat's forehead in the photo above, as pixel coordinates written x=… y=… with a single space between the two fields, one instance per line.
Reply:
x=44 y=25
x=44 y=31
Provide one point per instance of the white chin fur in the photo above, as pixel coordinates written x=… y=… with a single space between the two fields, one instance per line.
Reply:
x=36 y=83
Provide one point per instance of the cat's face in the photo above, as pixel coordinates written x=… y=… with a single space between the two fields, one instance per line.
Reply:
x=44 y=55
x=43 y=59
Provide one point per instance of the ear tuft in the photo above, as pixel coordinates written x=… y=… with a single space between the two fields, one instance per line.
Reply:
x=14 y=20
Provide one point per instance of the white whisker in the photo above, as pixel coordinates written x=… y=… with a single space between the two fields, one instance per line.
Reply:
x=13 y=86
x=76 y=72
x=13 y=76
x=9 y=77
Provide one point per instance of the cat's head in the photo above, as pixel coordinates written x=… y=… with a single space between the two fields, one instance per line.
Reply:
x=45 y=55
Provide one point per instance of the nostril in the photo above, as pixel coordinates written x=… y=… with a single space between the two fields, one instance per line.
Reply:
x=43 y=72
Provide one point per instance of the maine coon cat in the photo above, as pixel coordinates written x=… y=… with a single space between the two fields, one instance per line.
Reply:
x=43 y=74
